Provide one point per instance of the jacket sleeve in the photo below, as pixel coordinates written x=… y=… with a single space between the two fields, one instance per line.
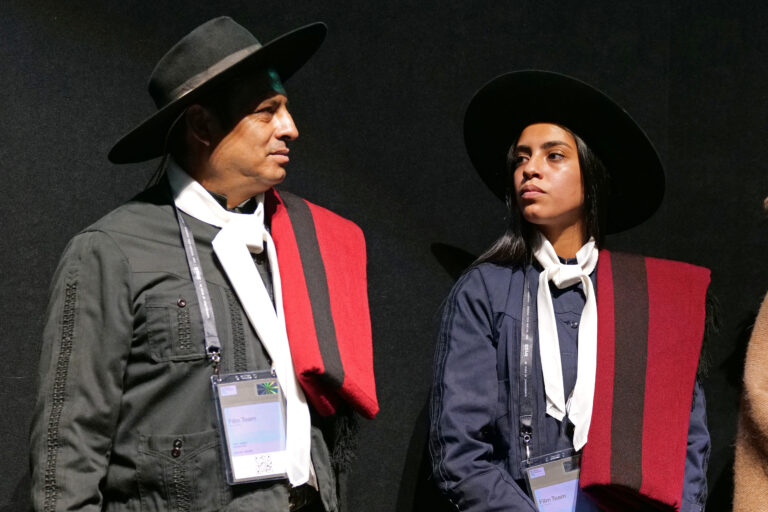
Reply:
x=85 y=346
x=463 y=406
x=697 y=455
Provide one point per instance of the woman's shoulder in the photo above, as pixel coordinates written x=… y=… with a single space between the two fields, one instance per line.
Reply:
x=491 y=282
x=492 y=270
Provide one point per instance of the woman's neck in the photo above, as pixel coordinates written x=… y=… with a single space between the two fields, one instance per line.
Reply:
x=566 y=241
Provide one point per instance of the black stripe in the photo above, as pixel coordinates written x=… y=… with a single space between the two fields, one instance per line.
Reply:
x=317 y=287
x=630 y=292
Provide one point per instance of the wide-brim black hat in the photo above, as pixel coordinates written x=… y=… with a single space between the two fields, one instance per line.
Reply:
x=502 y=108
x=215 y=50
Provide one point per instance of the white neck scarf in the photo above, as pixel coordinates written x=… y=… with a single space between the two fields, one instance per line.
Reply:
x=579 y=404
x=241 y=234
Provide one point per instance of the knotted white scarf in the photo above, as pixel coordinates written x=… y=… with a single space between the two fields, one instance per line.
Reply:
x=579 y=404
x=241 y=234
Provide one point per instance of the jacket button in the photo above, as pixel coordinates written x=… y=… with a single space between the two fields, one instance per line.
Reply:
x=176 y=448
x=181 y=303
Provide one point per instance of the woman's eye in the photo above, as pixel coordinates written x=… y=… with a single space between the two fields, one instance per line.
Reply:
x=519 y=159
x=556 y=156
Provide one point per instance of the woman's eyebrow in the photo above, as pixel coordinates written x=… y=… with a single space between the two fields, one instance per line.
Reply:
x=522 y=148
x=553 y=143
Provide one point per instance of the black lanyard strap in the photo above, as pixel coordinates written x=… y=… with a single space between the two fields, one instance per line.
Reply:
x=212 y=343
x=526 y=368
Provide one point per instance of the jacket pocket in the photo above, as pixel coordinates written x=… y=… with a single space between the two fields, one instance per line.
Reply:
x=175 y=327
x=180 y=473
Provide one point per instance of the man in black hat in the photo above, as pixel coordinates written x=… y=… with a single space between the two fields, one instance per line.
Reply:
x=209 y=279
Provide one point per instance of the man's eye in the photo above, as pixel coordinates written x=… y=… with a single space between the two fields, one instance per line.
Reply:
x=267 y=108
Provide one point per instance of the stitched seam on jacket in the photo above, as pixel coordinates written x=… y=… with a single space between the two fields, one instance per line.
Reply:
x=238 y=332
x=58 y=395
x=180 y=488
x=185 y=330
x=441 y=356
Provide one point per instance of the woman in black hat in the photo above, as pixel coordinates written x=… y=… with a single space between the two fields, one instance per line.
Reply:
x=554 y=356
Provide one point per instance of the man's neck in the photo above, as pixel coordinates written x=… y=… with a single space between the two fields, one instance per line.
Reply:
x=247 y=206
x=233 y=194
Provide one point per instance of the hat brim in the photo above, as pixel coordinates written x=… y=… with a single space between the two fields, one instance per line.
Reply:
x=501 y=109
x=285 y=54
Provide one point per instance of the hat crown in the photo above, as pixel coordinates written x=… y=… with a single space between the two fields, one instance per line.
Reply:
x=197 y=52
x=503 y=107
x=204 y=59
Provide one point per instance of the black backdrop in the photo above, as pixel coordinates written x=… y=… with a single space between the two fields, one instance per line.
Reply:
x=379 y=110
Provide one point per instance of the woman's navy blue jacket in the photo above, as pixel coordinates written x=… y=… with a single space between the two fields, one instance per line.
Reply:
x=474 y=416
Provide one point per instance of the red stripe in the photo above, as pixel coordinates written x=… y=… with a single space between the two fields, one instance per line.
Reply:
x=345 y=271
x=596 y=461
x=675 y=332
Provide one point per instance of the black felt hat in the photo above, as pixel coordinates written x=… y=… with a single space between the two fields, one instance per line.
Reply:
x=202 y=59
x=502 y=108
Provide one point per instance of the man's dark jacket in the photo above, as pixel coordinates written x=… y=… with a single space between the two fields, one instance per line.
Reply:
x=124 y=379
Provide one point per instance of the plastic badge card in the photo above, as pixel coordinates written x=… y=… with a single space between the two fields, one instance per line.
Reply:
x=553 y=480
x=251 y=410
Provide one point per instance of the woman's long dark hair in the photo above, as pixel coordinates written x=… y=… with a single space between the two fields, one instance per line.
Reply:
x=515 y=246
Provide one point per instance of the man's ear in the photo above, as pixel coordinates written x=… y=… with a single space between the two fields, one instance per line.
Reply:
x=200 y=125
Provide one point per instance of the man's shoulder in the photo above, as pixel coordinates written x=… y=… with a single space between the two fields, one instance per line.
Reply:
x=144 y=220
x=138 y=214
x=323 y=218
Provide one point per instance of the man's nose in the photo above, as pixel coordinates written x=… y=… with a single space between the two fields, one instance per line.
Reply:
x=286 y=128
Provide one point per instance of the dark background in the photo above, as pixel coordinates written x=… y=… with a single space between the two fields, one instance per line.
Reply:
x=380 y=109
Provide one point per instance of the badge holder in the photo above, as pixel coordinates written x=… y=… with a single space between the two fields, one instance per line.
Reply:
x=553 y=480
x=251 y=411
x=250 y=406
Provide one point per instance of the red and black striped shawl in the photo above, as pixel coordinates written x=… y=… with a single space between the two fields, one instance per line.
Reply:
x=651 y=315
x=322 y=264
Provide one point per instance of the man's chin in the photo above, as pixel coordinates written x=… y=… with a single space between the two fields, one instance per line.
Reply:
x=275 y=178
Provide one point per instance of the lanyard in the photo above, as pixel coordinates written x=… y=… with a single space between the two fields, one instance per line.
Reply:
x=212 y=344
x=526 y=367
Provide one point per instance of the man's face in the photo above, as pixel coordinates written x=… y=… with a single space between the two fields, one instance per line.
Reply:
x=253 y=155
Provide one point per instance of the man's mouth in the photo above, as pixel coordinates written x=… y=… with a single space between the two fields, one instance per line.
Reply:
x=281 y=155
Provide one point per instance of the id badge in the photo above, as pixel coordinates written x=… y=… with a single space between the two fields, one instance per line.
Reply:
x=251 y=411
x=553 y=480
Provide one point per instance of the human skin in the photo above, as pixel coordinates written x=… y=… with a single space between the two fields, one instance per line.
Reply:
x=549 y=188
x=251 y=157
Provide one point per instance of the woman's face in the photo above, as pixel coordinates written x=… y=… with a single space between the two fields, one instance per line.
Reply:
x=548 y=186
